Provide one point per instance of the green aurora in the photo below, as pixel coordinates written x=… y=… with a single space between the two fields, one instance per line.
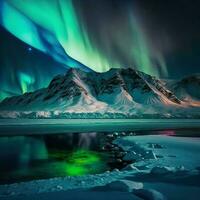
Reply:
x=60 y=18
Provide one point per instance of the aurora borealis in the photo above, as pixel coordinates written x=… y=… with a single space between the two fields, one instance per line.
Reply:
x=94 y=35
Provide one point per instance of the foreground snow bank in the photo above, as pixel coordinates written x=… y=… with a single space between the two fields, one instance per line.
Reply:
x=120 y=185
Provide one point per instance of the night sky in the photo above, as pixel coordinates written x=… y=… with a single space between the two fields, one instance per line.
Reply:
x=40 y=39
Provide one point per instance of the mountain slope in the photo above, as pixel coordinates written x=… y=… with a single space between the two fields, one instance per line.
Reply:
x=188 y=89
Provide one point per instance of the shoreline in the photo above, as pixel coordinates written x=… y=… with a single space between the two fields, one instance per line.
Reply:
x=15 y=127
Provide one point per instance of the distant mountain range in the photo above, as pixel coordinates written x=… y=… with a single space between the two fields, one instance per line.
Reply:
x=118 y=93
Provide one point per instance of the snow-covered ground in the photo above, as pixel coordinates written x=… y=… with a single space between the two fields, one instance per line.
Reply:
x=164 y=167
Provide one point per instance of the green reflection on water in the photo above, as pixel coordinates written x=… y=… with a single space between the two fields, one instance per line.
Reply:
x=82 y=162
x=29 y=158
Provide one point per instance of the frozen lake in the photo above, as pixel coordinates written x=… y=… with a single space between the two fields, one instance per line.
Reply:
x=54 y=126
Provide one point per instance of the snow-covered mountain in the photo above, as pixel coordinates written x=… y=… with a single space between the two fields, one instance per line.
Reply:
x=187 y=89
x=119 y=91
